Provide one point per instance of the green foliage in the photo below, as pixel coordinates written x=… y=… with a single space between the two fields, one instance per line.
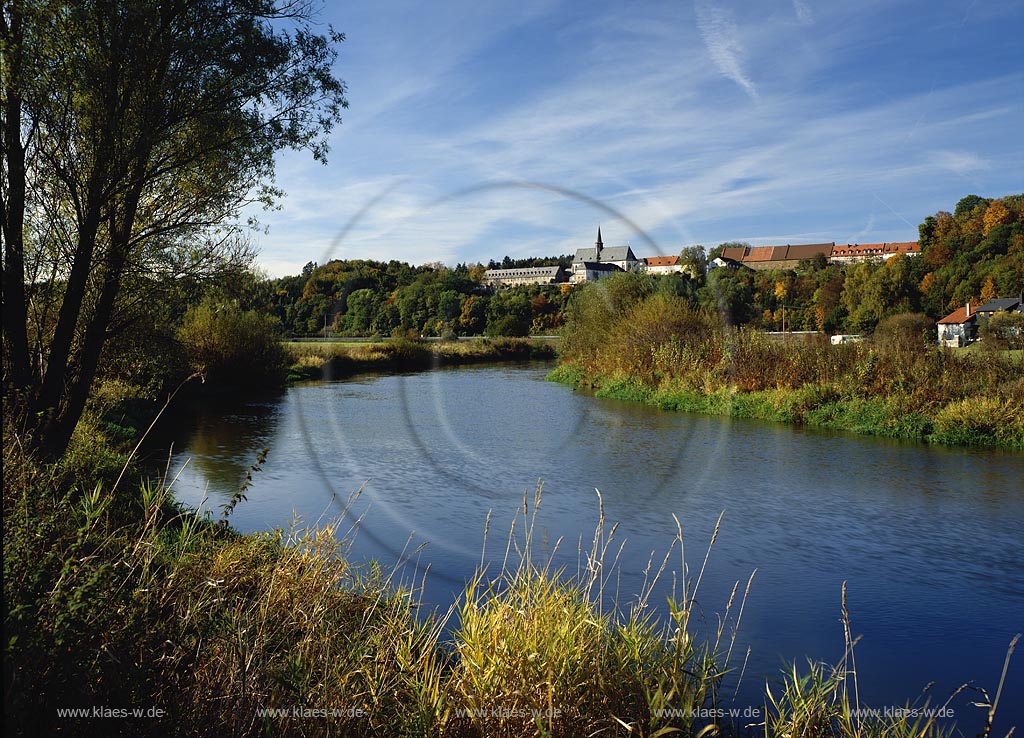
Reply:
x=233 y=348
x=135 y=133
x=694 y=262
x=360 y=297
x=593 y=309
x=1004 y=331
x=980 y=420
x=983 y=243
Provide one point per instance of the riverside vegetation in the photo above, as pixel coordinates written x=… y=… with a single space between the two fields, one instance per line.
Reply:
x=117 y=597
x=627 y=341
x=332 y=360
x=970 y=255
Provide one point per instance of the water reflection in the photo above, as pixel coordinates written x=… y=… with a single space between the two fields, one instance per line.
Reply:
x=222 y=443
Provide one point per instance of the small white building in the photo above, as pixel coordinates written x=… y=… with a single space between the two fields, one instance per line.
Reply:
x=958 y=328
x=663 y=264
x=720 y=261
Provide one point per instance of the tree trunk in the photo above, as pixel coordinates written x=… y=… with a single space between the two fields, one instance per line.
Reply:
x=54 y=440
x=15 y=310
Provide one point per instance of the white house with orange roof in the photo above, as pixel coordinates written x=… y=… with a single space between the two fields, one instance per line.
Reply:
x=662 y=264
x=958 y=328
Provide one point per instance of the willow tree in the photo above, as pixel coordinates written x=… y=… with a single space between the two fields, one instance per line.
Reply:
x=134 y=132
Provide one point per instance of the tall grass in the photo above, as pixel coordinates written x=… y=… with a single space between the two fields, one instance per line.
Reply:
x=116 y=597
x=539 y=653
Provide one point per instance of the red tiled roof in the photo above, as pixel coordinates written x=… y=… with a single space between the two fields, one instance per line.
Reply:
x=779 y=253
x=809 y=250
x=735 y=253
x=662 y=261
x=760 y=253
x=957 y=316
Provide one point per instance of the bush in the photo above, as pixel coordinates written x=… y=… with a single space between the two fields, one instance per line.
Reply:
x=981 y=421
x=637 y=334
x=905 y=332
x=1005 y=331
x=508 y=325
x=232 y=347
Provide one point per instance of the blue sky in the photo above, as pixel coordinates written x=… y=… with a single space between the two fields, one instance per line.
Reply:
x=477 y=130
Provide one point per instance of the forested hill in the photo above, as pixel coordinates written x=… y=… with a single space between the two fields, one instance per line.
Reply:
x=362 y=297
x=972 y=254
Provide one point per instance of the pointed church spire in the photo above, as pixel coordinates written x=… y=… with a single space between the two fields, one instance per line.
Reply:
x=599 y=243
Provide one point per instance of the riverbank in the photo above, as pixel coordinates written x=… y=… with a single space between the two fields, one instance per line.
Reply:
x=343 y=359
x=658 y=349
x=981 y=421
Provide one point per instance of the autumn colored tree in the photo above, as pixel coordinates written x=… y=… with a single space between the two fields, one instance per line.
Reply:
x=988 y=291
x=996 y=214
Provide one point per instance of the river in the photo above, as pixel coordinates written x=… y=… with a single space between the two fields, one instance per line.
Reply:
x=928 y=539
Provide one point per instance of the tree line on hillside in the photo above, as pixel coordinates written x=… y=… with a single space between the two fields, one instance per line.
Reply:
x=970 y=255
x=363 y=297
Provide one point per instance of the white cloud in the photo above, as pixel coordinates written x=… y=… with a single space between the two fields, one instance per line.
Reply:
x=803 y=12
x=959 y=162
x=721 y=36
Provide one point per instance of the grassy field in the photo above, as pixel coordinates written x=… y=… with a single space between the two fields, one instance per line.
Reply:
x=978 y=348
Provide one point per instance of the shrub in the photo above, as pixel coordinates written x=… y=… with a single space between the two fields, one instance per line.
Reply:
x=508 y=325
x=645 y=326
x=1005 y=331
x=233 y=347
x=981 y=421
x=905 y=332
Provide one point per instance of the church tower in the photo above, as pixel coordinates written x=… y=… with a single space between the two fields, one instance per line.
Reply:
x=599 y=244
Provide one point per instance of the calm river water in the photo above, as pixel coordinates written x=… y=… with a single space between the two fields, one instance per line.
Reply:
x=930 y=540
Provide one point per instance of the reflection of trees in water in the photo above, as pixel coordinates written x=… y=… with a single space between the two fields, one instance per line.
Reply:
x=226 y=440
